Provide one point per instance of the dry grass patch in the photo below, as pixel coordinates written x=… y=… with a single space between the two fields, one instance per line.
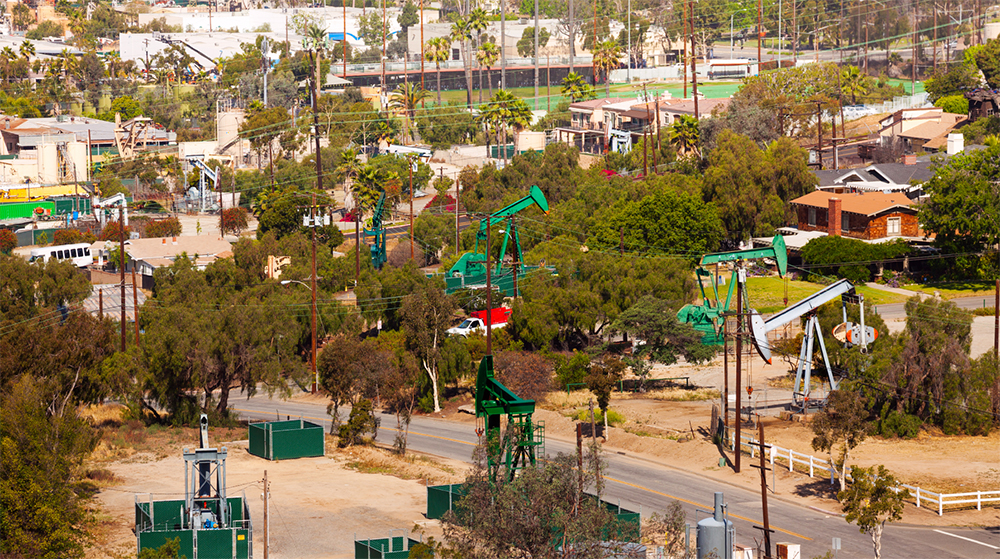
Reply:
x=375 y=460
x=682 y=394
x=559 y=401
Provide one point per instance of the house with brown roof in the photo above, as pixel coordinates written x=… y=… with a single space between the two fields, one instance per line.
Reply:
x=868 y=216
x=923 y=129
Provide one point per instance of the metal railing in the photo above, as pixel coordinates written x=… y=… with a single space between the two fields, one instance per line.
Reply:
x=919 y=496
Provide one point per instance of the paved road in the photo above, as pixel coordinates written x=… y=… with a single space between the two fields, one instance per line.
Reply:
x=650 y=486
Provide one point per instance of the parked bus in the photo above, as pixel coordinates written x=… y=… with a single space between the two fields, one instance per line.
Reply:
x=78 y=253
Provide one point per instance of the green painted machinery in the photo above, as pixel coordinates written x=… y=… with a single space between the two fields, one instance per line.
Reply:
x=377 y=230
x=525 y=438
x=470 y=271
x=707 y=318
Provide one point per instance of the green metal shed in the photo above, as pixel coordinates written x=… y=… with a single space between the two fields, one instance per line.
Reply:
x=283 y=440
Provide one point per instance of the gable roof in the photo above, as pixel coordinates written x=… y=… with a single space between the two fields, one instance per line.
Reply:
x=868 y=203
x=593 y=104
x=888 y=173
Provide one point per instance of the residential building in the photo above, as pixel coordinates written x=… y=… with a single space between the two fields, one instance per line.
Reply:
x=883 y=177
x=983 y=103
x=868 y=216
x=146 y=255
x=922 y=129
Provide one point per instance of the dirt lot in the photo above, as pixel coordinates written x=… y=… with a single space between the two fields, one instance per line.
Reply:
x=367 y=493
x=318 y=505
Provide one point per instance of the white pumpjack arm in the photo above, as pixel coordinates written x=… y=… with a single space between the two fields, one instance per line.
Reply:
x=760 y=327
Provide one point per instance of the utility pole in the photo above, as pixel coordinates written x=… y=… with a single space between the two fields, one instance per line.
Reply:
x=410 y=170
x=421 y=48
x=934 y=7
x=344 y=4
x=725 y=369
x=740 y=278
x=503 y=45
x=819 y=134
x=100 y=303
x=760 y=35
x=121 y=264
x=357 y=243
x=694 y=73
x=572 y=36
x=536 y=55
x=135 y=308
x=763 y=489
x=996 y=323
x=913 y=55
x=314 y=221
x=684 y=49
x=458 y=248
x=267 y=533
x=489 y=294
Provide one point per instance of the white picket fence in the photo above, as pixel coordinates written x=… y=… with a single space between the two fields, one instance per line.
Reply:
x=921 y=497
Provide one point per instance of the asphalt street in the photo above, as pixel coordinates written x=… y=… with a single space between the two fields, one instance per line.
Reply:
x=642 y=484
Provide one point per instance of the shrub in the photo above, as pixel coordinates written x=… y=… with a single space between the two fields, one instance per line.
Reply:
x=233 y=220
x=169 y=227
x=614 y=418
x=361 y=421
x=573 y=370
x=901 y=425
x=112 y=232
x=8 y=240
x=67 y=237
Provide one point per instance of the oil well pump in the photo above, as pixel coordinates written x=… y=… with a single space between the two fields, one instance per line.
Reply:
x=708 y=318
x=470 y=271
x=377 y=230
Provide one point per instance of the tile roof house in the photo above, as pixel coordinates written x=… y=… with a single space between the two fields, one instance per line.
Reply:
x=868 y=216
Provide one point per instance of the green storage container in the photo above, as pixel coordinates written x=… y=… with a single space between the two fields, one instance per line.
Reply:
x=283 y=440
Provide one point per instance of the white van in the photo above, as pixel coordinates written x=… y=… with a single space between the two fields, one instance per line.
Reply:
x=78 y=253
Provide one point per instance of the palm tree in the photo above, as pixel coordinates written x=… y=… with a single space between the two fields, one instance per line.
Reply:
x=502 y=112
x=438 y=50
x=574 y=87
x=348 y=166
x=684 y=134
x=607 y=55
x=406 y=98
x=461 y=32
x=27 y=50
x=7 y=57
x=487 y=55
x=477 y=24
x=316 y=39
x=853 y=83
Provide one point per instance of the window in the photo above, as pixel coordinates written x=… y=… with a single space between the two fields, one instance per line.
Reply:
x=892 y=226
x=72 y=253
x=86 y=250
x=812 y=217
x=59 y=254
x=845 y=222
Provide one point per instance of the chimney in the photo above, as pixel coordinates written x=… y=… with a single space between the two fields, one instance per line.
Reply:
x=911 y=158
x=833 y=218
x=956 y=143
